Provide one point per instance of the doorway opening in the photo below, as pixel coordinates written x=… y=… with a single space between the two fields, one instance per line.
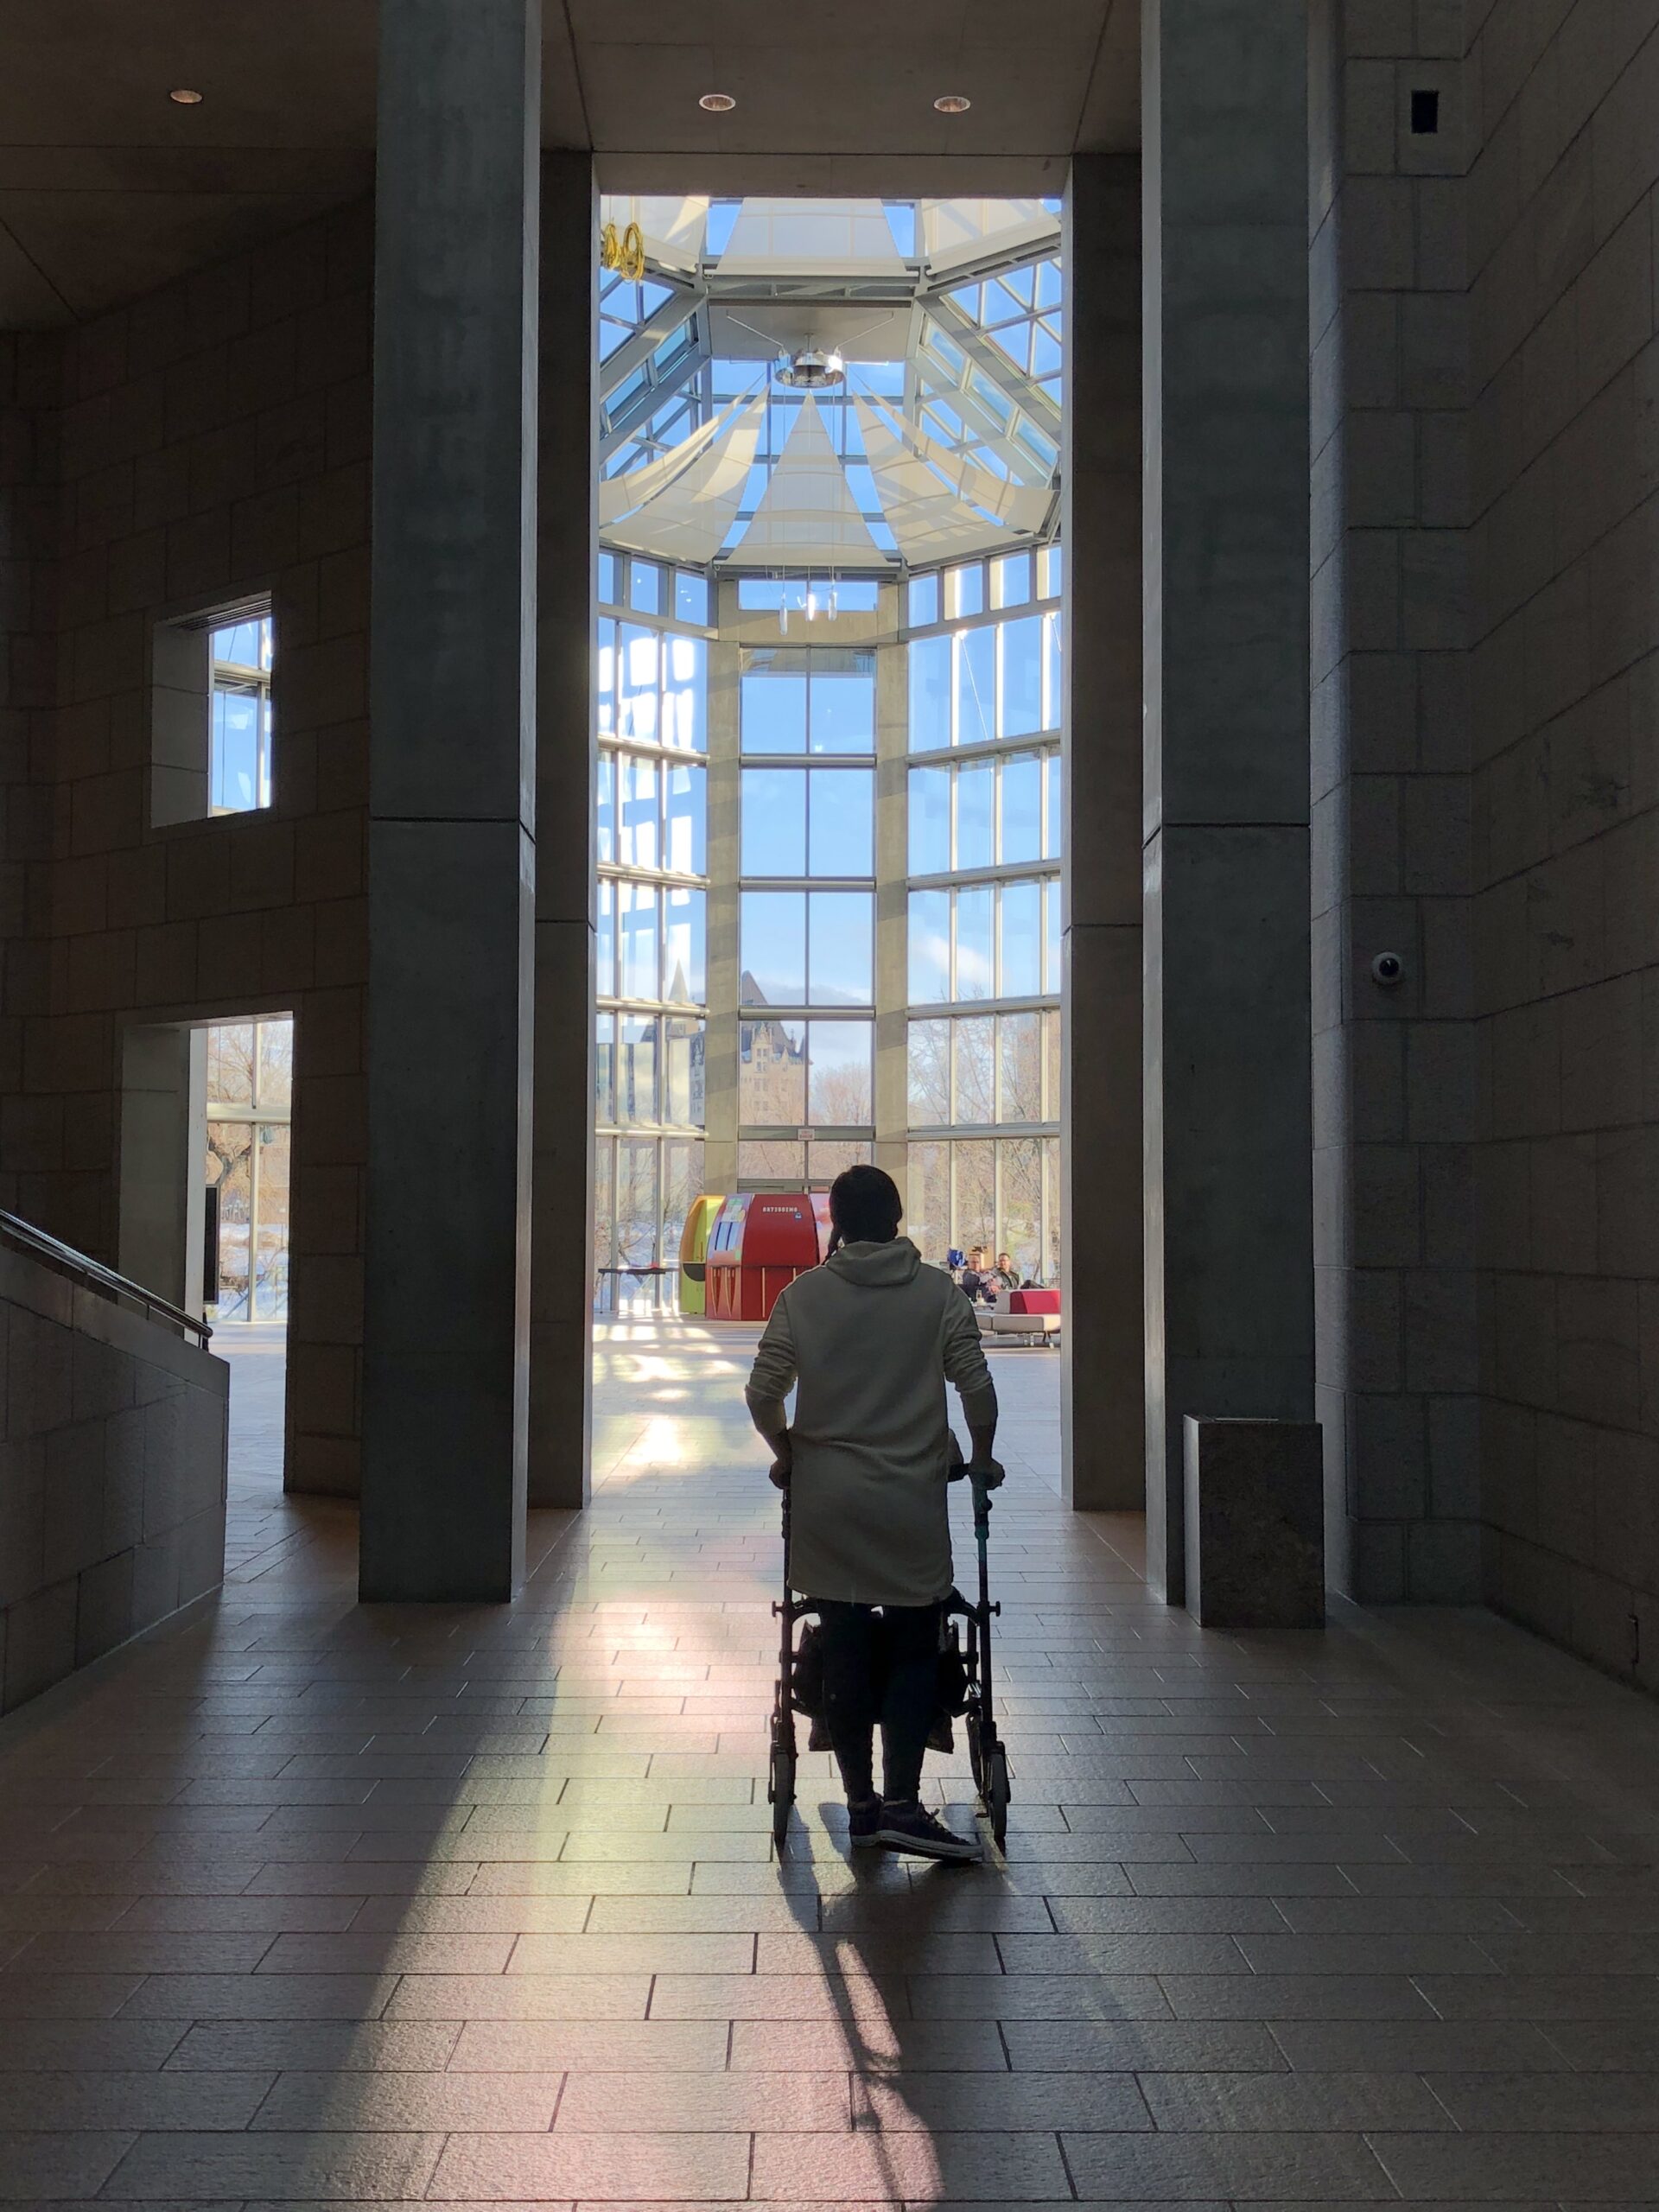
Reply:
x=206 y=1152
x=829 y=701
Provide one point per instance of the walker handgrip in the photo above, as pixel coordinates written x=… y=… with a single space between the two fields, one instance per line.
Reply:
x=982 y=1504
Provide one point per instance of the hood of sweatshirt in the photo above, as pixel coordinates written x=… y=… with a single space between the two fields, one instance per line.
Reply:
x=878 y=1267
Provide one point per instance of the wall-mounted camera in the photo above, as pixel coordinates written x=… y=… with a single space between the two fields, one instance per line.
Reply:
x=1387 y=969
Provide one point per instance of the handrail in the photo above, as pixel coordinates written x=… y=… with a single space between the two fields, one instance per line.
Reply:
x=94 y=1276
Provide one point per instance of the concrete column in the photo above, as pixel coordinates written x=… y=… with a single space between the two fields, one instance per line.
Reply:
x=891 y=1095
x=561 y=1169
x=451 y=848
x=1229 y=1212
x=1103 y=1446
x=720 y=1073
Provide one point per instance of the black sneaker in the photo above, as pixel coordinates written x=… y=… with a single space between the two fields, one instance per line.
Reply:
x=910 y=1828
x=864 y=1823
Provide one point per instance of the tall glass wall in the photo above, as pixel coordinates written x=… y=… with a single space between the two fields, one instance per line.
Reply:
x=806 y=912
x=652 y=688
x=983 y=1029
x=801 y=677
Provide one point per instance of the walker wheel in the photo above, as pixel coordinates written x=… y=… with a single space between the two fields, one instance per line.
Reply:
x=975 y=1754
x=780 y=1789
x=994 y=1791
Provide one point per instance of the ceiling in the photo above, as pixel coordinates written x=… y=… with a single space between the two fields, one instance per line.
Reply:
x=934 y=433
x=107 y=189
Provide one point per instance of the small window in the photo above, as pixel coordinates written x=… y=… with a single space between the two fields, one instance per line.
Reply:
x=211 y=729
x=965 y=590
x=1011 y=580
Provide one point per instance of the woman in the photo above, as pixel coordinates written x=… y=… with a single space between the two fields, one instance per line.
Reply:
x=872 y=1337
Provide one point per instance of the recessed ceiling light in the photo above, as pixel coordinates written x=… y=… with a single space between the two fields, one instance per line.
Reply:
x=717 y=103
x=953 y=103
x=183 y=97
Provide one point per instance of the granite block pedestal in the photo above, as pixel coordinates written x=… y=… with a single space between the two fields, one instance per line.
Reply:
x=1254 y=1523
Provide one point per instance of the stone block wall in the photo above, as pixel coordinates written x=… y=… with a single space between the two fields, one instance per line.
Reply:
x=1394 y=1093
x=112 y=1470
x=30 y=383
x=1565 y=690
x=208 y=442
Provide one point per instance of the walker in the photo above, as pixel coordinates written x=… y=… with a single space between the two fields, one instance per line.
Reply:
x=987 y=1754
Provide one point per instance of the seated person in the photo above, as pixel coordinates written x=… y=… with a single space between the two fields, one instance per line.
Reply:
x=975 y=1282
x=1005 y=1275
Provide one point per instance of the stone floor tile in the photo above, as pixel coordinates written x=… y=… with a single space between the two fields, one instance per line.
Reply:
x=1162 y=1952
x=1021 y=2103
x=1622 y=2169
x=1186 y=1880
x=274 y=1915
x=387 y=1951
x=87 y=2046
x=1289 y=2103
x=871 y=2043
x=1180 y=1915
x=603 y=2047
x=477 y=1916
x=642 y=1952
x=540 y=1877
x=317 y=2168
x=916 y=1949
x=1136 y=2046
x=1296 y=1997
x=775 y=1997
x=1366 y=1955
x=1521 y=2103
x=1419 y=2046
x=407 y=2102
x=260 y=1996
x=946 y=1904
x=530 y=2168
x=1243 y=2168
x=347 y=2046
x=1538 y=1997
x=1035 y=1997
x=107 y=2099
x=790 y=2102
x=516 y=1997
x=976 y=2169
x=42 y=2166
x=66 y=1996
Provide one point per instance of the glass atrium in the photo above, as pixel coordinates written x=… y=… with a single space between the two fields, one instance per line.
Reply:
x=829 y=703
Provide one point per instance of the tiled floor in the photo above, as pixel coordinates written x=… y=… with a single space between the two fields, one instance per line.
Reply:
x=306 y=1902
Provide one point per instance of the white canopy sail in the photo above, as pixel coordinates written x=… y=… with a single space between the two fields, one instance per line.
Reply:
x=808 y=517
x=691 y=508
x=841 y=237
x=956 y=231
x=940 y=506
x=625 y=494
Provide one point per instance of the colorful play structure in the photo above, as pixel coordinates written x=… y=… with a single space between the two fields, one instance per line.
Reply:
x=737 y=1253
x=694 y=1251
x=761 y=1240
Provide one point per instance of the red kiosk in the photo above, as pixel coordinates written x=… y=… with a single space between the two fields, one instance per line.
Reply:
x=761 y=1241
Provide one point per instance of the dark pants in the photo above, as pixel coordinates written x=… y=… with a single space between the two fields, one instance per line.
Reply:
x=880 y=1666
